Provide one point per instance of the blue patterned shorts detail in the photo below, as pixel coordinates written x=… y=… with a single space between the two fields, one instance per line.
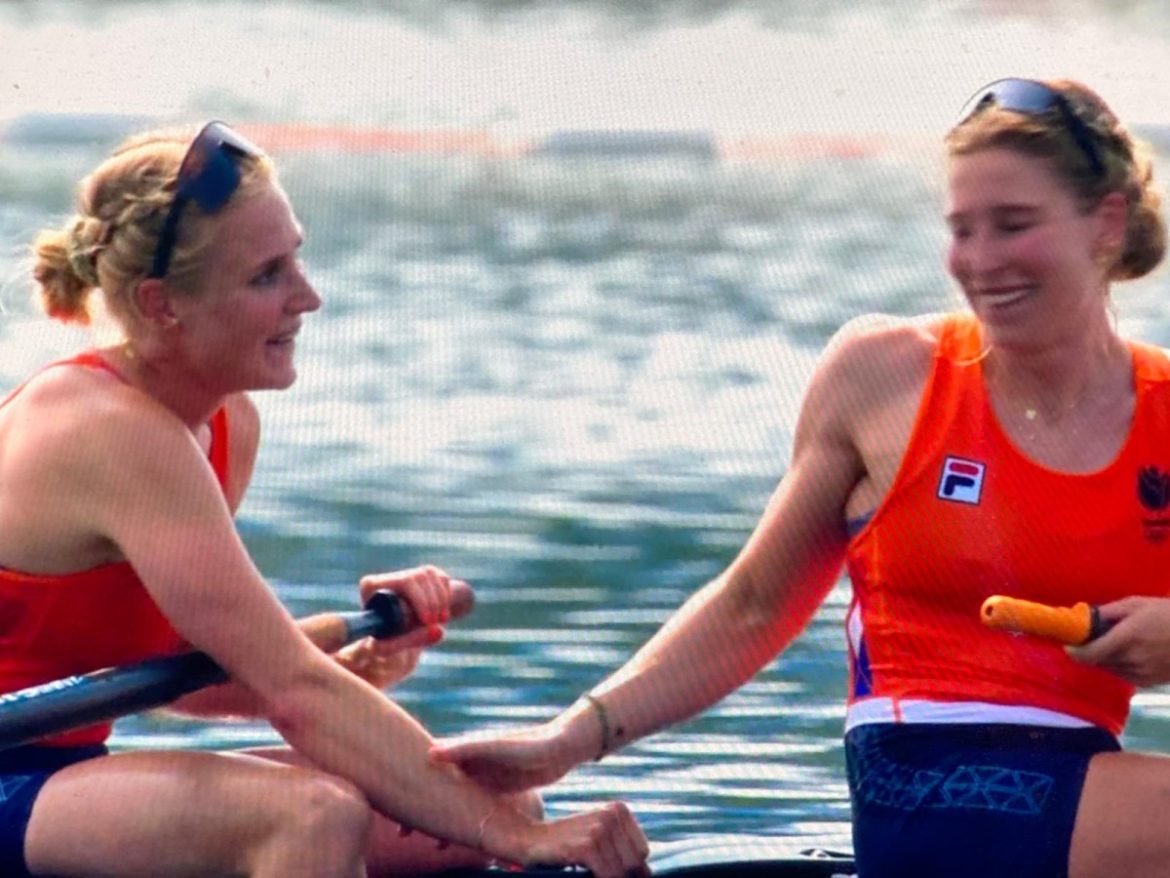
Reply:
x=967 y=800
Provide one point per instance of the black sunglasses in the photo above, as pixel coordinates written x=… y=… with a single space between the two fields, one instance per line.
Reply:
x=1031 y=98
x=208 y=175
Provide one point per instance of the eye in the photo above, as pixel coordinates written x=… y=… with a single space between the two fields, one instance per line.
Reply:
x=269 y=274
x=1014 y=226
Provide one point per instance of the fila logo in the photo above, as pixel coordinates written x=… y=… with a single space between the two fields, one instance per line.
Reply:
x=962 y=480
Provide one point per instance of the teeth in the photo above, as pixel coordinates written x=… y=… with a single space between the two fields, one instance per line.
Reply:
x=1002 y=299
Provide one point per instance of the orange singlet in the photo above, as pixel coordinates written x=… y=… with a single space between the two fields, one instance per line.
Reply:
x=969 y=516
x=57 y=626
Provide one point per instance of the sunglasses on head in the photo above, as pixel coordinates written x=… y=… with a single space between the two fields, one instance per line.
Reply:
x=1032 y=98
x=208 y=175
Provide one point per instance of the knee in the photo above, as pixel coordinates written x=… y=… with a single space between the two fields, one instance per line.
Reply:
x=328 y=812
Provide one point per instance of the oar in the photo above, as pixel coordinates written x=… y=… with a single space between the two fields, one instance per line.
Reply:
x=79 y=701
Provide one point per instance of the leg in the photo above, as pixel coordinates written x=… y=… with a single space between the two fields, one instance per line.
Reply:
x=1121 y=825
x=390 y=852
x=191 y=815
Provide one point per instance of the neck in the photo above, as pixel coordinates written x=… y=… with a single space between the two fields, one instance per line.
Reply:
x=172 y=388
x=1054 y=377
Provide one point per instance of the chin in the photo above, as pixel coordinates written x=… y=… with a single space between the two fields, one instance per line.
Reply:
x=283 y=382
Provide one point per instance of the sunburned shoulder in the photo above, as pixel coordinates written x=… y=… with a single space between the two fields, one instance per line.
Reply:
x=87 y=408
x=877 y=352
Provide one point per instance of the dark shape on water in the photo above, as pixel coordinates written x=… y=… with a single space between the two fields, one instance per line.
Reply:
x=629 y=144
x=72 y=130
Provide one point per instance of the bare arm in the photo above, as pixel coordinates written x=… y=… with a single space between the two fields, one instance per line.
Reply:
x=164 y=510
x=730 y=628
x=380 y=666
x=723 y=635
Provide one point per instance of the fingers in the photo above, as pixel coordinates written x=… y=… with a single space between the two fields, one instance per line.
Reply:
x=623 y=845
x=1118 y=637
x=379 y=668
x=416 y=638
x=615 y=847
x=498 y=764
x=1100 y=650
x=1115 y=611
x=427 y=589
x=457 y=750
x=1135 y=647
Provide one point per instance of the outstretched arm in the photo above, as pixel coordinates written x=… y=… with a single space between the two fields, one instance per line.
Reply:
x=729 y=629
x=163 y=509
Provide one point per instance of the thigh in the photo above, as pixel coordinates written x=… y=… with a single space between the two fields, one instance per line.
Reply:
x=1123 y=824
x=132 y=814
x=394 y=849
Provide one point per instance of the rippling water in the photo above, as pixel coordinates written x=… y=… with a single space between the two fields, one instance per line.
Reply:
x=573 y=383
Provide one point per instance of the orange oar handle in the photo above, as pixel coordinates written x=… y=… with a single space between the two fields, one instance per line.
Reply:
x=1073 y=625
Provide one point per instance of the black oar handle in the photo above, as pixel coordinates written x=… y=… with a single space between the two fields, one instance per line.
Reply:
x=87 y=699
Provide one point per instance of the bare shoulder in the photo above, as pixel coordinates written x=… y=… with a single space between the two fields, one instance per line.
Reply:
x=877 y=340
x=84 y=421
x=75 y=446
x=87 y=407
x=877 y=356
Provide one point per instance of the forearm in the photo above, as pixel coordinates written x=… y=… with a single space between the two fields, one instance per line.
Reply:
x=384 y=751
x=231 y=700
x=717 y=641
x=228 y=701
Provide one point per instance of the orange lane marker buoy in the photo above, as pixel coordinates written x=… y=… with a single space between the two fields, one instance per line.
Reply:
x=1073 y=625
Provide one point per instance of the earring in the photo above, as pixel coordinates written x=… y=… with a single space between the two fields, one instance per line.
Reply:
x=1105 y=256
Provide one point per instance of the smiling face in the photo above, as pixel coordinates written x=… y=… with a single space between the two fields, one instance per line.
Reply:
x=1021 y=249
x=238 y=331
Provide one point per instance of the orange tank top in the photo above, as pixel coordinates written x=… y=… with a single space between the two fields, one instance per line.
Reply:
x=969 y=516
x=57 y=626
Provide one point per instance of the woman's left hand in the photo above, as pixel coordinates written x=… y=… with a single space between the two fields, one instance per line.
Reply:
x=384 y=662
x=379 y=663
x=1137 y=645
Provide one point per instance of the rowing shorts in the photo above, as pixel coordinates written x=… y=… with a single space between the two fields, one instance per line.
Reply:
x=23 y=771
x=967 y=800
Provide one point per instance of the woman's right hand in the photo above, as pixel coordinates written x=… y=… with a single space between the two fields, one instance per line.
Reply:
x=1136 y=646
x=508 y=763
x=608 y=841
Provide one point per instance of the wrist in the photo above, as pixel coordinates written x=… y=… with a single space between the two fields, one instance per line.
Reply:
x=588 y=731
x=505 y=833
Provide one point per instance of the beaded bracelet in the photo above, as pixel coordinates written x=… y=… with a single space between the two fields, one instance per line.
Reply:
x=603 y=717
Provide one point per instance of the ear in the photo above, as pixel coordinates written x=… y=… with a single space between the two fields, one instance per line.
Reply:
x=152 y=299
x=1112 y=214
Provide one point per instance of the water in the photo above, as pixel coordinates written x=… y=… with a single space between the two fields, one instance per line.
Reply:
x=573 y=383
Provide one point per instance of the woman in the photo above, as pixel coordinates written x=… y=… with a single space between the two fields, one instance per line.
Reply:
x=943 y=460
x=119 y=471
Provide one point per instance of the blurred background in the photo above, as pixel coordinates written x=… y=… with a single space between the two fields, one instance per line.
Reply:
x=578 y=260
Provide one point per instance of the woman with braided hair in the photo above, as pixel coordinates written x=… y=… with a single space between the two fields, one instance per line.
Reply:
x=120 y=470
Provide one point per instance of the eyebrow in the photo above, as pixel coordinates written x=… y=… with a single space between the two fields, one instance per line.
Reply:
x=997 y=209
x=279 y=257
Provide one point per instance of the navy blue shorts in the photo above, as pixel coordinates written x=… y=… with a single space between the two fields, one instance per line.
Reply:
x=967 y=800
x=23 y=771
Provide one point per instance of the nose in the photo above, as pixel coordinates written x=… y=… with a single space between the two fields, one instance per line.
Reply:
x=980 y=253
x=305 y=297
